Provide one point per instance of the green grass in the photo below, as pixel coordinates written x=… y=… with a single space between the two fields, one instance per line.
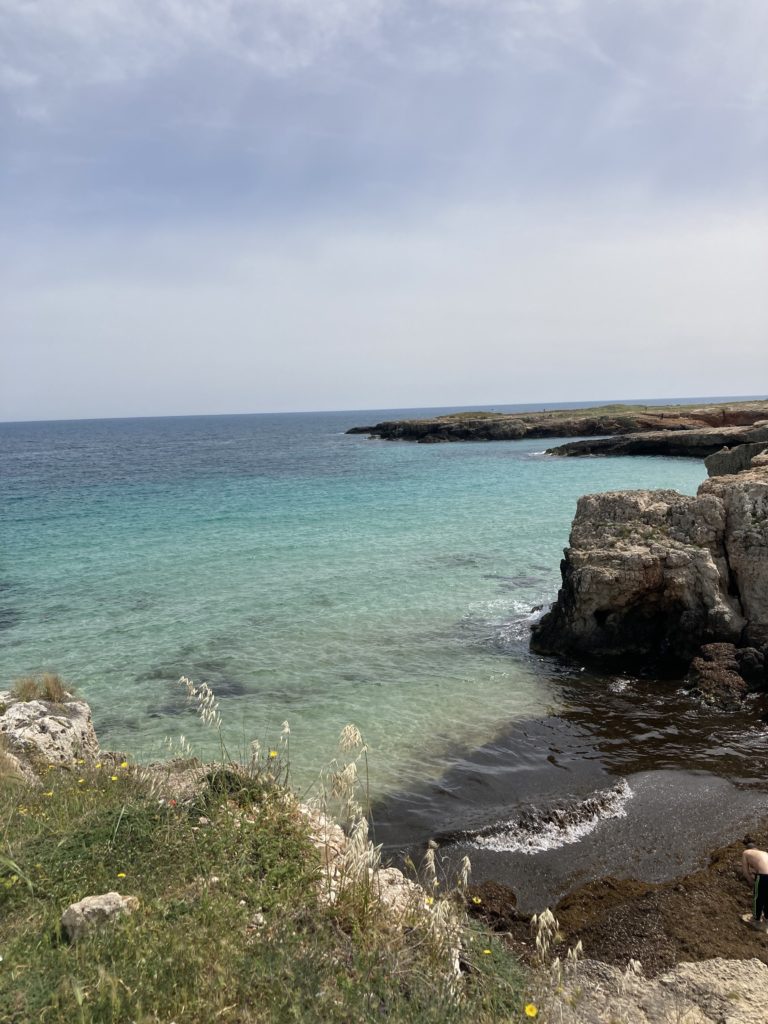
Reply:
x=230 y=927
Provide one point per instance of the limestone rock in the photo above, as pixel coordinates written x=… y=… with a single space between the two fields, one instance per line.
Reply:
x=396 y=892
x=646 y=576
x=655 y=575
x=95 y=911
x=13 y=768
x=700 y=442
x=597 y=421
x=42 y=732
x=734 y=460
x=744 y=498
x=711 y=992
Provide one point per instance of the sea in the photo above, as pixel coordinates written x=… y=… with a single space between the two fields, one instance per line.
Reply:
x=318 y=578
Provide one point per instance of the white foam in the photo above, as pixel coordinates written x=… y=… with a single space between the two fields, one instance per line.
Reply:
x=535 y=831
x=619 y=685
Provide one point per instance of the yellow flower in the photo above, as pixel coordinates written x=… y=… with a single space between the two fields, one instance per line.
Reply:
x=49 y=793
x=429 y=900
x=123 y=764
x=97 y=765
x=80 y=761
x=486 y=952
x=476 y=899
x=113 y=778
x=273 y=753
x=80 y=781
x=23 y=810
x=121 y=874
x=531 y=1010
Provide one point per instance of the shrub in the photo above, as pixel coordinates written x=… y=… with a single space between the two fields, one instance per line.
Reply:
x=47 y=686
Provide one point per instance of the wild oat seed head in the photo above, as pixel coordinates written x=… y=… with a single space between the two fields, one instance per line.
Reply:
x=465 y=870
x=351 y=738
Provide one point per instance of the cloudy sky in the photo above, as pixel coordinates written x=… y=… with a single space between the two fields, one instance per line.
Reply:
x=256 y=205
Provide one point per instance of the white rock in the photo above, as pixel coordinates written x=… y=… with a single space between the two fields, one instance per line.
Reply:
x=42 y=733
x=710 y=992
x=95 y=911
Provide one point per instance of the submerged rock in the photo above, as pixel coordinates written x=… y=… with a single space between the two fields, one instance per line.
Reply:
x=94 y=912
x=655 y=575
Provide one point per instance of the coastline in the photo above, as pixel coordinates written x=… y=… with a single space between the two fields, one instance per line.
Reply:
x=615 y=420
x=691 y=915
x=695 y=916
x=598 y=773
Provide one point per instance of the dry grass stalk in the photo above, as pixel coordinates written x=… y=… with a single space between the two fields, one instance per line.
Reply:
x=47 y=686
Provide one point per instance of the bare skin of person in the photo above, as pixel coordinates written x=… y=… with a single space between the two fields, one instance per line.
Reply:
x=754 y=865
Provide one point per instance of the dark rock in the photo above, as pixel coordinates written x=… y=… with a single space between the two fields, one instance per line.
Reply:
x=700 y=443
x=600 y=421
x=752 y=666
x=734 y=460
x=714 y=675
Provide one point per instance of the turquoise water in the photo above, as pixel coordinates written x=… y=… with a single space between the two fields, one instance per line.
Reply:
x=305 y=574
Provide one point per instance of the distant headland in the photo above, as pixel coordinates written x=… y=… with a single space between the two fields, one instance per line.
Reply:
x=694 y=430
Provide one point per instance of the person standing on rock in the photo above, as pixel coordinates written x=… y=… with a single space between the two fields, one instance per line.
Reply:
x=754 y=864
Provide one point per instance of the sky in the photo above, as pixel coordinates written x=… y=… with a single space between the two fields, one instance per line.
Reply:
x=212 y=206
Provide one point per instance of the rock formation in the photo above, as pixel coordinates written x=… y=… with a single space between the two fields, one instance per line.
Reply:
x=711 y=992
x=744 y=498
x=728 y=461
x=83 y=917
x=40 y=732
x=741 y=443
x=595 y=422
x=715 y=675
x=652 y=576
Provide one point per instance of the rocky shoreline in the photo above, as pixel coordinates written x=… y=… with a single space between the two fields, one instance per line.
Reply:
x=706 y=443
x=696 y=917
x=654 y=950
x=664 y=581
x=599 y=421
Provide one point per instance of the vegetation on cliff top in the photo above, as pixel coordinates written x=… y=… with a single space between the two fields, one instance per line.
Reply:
x=610 y=419
x=231 y=924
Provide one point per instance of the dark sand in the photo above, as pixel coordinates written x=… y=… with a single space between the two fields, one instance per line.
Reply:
x=694 y=917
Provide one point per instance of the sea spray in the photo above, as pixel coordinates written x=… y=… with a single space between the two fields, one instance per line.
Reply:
x=535 y=830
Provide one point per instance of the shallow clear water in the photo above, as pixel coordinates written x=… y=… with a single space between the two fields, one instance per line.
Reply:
x=306 y=574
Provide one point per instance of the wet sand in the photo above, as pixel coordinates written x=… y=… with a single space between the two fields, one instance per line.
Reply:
x=695 y=916
x=620 y=812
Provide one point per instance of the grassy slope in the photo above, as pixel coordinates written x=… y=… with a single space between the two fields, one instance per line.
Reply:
x=195 y=951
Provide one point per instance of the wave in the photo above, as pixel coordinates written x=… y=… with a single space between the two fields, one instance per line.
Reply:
x=536 y=830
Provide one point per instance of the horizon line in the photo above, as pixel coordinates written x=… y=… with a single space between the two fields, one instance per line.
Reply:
x=528 y=406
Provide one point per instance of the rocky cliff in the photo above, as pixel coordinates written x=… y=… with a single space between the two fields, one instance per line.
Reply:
x=592 y=422
x=652 y=576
